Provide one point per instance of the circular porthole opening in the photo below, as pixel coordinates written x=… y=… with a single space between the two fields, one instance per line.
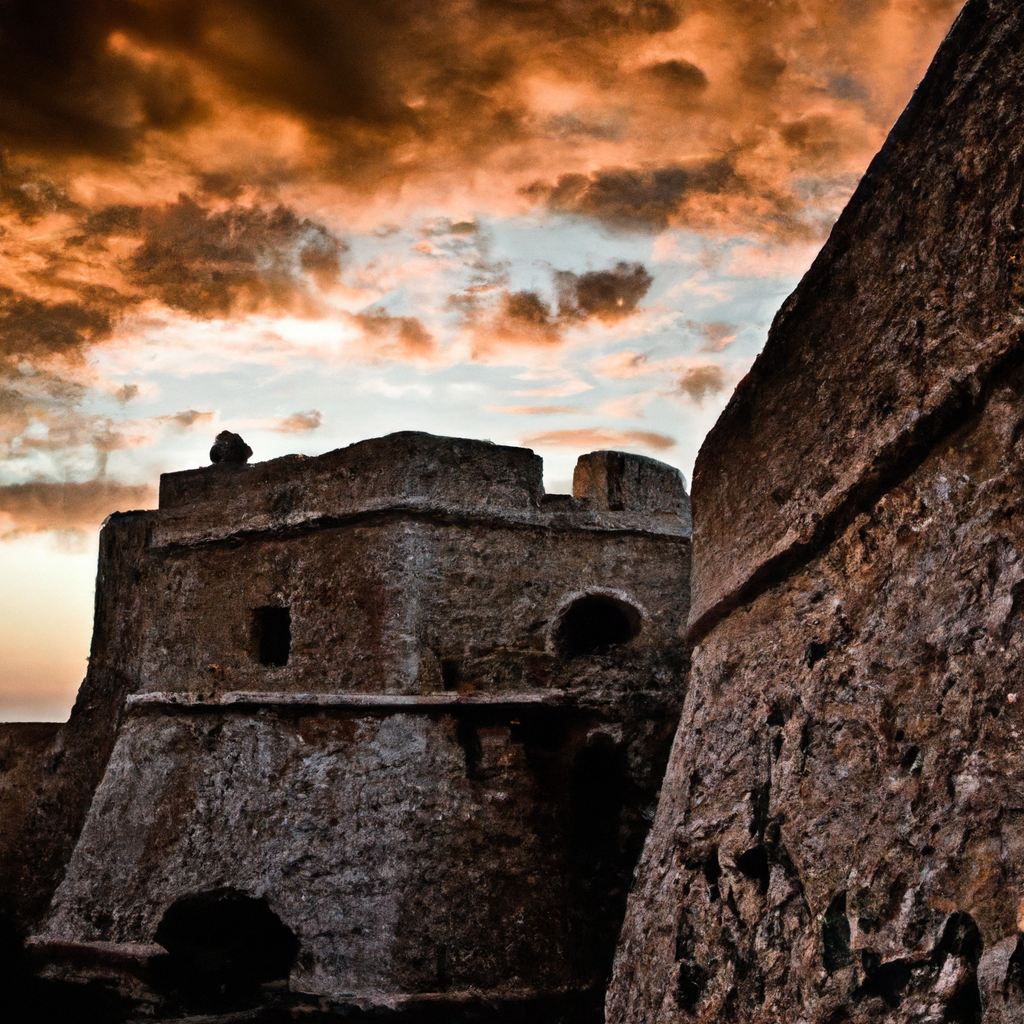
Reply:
x=594 y=624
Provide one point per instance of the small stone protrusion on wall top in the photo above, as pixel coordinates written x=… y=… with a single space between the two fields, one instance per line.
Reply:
x=229 y=450
x=623 y=482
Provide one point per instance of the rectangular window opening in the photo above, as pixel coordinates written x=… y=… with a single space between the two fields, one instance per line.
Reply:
x=272 y=632
x=450 y=674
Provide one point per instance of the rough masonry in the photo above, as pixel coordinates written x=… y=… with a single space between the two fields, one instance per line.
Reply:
x=387 y=731
x=841 y=830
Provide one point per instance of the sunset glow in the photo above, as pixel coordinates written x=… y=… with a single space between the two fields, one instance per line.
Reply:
x=552 y=223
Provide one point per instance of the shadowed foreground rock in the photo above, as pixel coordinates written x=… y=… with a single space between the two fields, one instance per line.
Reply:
x=388 y=727
x=841 y=831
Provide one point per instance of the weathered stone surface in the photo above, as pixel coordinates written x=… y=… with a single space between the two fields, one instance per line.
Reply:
x=415 y=710
x=27 y=751
x=845 y=787
x=378 y=473
x=841 y=830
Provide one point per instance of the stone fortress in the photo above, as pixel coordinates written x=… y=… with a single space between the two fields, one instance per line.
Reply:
x=391 y=726
x=839 y=837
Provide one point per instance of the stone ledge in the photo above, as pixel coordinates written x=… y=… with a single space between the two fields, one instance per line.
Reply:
x=581 y=697
x=209 y=525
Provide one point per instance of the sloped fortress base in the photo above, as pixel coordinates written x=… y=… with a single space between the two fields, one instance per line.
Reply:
x=394 y=726
x=841 y=832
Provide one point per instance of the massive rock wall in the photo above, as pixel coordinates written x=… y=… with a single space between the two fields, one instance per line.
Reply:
x=841 y=830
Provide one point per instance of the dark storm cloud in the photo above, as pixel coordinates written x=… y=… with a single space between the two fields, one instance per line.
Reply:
x=64 y=87
x=523 y=317
x=608 y=295
x=210 y=263
x=638 y=199
x=682 y=78
x=526 y=317
x=528 y=308
x=43 y=505
x=573 y=18
x=30 y=196
x=29 y=326
x=394 y=90
x=97 y=76
x=762 y=69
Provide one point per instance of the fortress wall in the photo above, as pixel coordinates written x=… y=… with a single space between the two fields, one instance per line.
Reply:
x=841 y=830
x=26 y=751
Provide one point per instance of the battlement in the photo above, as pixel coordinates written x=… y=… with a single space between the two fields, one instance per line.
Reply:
x=411 y=471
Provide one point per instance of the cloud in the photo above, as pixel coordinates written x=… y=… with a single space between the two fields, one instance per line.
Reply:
x=44 y=505
x=717 y=334
x=608 y=295
x=642 y=199
x=517 y=318
x=683 y=80
x=570 y=387
x=711 y=196
x=299 y=422
x=30 y=196
x=702 y=381
x=527 y=317
x=30 y=326
x=536 y=410
x=588 y=439
x=187 y=417
x=168 y=162
x=209 y=263
x=395 y=337
x=624 y=365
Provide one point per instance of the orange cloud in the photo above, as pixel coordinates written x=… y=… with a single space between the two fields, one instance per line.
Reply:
x=701 y=381
x=717 y=335
x=395 y=337
x=168 y=159
x=536 y=410
x=42 y=505
x=599 y=437
x=299 y=422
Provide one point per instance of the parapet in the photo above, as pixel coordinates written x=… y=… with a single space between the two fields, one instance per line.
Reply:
x=417 y=472
x=399 y=467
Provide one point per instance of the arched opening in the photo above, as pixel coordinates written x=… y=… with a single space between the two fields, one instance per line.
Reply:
x=222 y=946
x=594 y=624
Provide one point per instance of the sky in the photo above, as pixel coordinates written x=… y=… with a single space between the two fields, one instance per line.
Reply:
x=564 y=224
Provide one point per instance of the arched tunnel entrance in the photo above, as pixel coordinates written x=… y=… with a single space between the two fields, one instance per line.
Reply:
x=222 y=946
